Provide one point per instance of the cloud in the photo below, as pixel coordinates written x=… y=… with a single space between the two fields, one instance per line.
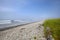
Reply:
x=10 y=5
x=6 y=9
x=13 y=3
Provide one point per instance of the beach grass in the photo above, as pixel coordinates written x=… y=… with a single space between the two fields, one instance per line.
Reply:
x=54 y=25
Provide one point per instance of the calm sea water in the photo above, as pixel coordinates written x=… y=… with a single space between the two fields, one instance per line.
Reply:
x=7 y=23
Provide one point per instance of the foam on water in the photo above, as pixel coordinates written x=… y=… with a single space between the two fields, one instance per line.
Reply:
x=5 y=21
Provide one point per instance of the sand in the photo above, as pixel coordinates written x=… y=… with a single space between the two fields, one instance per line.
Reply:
x=33 y=31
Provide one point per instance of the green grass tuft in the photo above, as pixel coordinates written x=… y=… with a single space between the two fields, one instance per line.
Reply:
x=54 y=24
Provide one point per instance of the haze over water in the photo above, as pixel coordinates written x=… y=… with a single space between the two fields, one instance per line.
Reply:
x=29 y=10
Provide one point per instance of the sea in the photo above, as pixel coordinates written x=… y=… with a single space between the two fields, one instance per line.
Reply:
x=8 y=23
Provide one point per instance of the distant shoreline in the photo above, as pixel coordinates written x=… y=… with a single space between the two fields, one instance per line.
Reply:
x=2 y=29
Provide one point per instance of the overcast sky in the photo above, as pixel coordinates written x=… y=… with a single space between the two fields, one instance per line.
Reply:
x=29 y=9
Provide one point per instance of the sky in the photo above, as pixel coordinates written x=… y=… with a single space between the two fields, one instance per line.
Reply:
x=29 y=9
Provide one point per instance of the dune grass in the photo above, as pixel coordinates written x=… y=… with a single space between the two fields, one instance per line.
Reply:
x=54 y=25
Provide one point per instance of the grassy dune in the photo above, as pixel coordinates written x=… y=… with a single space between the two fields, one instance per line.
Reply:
x=54 y=24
